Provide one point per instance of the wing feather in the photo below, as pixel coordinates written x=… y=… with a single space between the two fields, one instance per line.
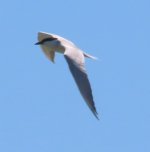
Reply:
x=76 y=65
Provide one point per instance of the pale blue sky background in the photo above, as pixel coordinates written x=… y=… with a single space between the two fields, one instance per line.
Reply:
x=41 y=109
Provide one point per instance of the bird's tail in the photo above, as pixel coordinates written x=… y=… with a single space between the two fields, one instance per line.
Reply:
x=89 y=56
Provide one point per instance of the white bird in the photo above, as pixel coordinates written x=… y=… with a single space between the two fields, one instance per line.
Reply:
x=51 y=43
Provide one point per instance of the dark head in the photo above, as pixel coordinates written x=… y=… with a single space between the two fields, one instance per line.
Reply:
x=45 y=40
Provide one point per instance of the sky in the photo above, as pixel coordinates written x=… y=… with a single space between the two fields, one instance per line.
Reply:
x=41 y=109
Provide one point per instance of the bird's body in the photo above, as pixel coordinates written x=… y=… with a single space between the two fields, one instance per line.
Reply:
x=51 y=43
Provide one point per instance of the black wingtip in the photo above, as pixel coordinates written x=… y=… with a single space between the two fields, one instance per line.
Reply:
x=94 y=111
x=95 y=114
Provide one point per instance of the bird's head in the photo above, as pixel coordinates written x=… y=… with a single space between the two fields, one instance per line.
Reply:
x=44 y=38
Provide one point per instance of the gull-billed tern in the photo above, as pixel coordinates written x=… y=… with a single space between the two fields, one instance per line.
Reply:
x=51 y=43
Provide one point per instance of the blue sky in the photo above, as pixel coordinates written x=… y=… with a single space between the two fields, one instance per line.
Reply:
x=41 y=109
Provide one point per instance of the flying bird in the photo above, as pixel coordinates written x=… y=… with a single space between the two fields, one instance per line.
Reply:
x=51 y=43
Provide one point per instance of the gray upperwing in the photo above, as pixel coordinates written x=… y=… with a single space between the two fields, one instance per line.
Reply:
x=81 y=79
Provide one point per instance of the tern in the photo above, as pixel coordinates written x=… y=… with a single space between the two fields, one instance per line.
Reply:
x=51 y=43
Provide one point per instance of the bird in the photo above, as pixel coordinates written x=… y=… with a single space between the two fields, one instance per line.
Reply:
x=75 y=57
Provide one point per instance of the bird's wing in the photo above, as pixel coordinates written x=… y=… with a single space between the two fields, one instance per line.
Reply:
x=48 y=52
x=75 y=60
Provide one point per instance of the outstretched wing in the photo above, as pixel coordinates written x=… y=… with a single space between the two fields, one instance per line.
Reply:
x=75 y=60
x=48 y=52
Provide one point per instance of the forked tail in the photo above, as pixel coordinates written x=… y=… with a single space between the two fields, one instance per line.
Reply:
x=89 y=56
